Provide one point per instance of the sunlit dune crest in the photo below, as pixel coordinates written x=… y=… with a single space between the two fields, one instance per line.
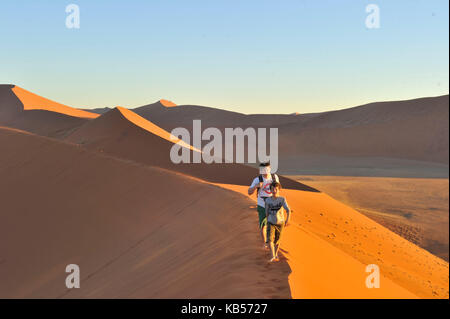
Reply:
x=167 y=103
x=125 y=215
x=324 y=251
x=328 y=246
x=150 y=127
x=33 y=101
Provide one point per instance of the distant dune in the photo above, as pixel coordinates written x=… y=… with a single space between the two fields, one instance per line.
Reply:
x=32 y=101
x=182 y=116
x=105 y=195
x=396 y=139
x=412 y=133
x=26 y=111
x=167 y=103
x=143 y=142
x=414 y=129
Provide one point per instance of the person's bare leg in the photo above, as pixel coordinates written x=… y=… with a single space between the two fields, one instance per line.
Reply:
x=272 y=250
x=277 y=246
x=264 y=234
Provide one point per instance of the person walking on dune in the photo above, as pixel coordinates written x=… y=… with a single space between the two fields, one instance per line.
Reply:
x=262 y=185
x=275 y=207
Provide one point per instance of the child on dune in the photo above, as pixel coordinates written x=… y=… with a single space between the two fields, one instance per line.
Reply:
x=261 y=184
x=275 y=206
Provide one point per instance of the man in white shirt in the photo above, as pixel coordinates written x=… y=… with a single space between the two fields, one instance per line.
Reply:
x=262 y=185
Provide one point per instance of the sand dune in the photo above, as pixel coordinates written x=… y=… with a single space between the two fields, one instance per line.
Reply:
x=32 y=101
x=182 y=116
x=134 y=231
x=109 y=199
x=26 y=111
x=416 y=209
x=414 y=130
x=328 y=246
x=152 y=128
x=98 y=210
x=124 y=134
x=167 y=103
x=413 y=133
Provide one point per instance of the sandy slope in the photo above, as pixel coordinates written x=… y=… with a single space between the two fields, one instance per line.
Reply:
x=26 y=111
x=328 y=246
x=389 y=135
x=124 y=134
x=416 y=209
x=93 y=210
x=33 y=101
x=135 y=231
x=152 y=128
x=86 y=207
x=414 y=130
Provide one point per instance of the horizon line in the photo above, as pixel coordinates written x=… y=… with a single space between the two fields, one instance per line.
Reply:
x=228 y=110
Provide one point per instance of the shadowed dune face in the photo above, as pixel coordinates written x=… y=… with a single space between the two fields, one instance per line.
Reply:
x=109 y=199
x=143 y=142
x=182 y=116
x=410 y=130
x=32 y=101
x=415 y=130
x=152 y=128
x=401 y=138
x=40 y=116
x=134 y=231
x=10 y=105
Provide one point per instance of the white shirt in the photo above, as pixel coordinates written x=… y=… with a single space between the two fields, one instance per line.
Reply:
x=265 y=189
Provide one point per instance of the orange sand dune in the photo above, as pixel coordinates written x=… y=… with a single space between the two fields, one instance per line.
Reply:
x=137 y=153
x=328 y=245
x=134 y=231
x=152 y=128
x=116 y=219
x=37 y=121
x=122 y=133
x=32 y=101
x=120 y=217
x=167 y=103
x=388 y=135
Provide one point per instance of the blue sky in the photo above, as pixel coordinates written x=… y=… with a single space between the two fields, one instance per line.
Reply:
x=246 y=56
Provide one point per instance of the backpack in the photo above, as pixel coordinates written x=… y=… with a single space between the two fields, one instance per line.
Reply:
x=260 y=177
x=277 y=218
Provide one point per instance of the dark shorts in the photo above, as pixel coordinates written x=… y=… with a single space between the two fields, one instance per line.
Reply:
x=262 y=216
x=274 y=233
